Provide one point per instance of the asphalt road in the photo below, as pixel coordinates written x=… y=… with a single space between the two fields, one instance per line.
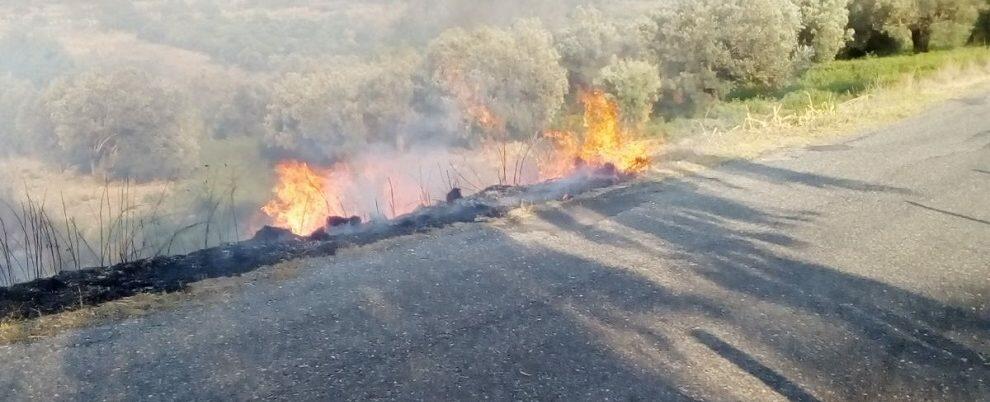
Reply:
x=853 y=271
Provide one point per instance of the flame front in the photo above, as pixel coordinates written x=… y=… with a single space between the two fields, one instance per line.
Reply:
x=386 y=185
x=605 y=142
x=300 y=203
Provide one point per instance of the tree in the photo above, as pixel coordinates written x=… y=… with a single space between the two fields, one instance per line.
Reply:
x=635 y=85
x=122 y=124
x=327 y=113
x=241 y=113
x=504 y=81
x=590 y=41
x=981 y=32
x=706 y=47
x=923 y=19
x=824 y=27
x=869 y=37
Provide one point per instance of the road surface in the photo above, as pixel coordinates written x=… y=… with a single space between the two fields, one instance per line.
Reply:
x=852 y=271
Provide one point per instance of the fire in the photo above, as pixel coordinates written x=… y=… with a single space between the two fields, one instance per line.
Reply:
x=300 y=203
x=485 y=118
x=472 y=103
x=387 y=183
x=605 y=142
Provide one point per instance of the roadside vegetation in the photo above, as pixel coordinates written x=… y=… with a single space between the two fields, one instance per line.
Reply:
x=130 y=129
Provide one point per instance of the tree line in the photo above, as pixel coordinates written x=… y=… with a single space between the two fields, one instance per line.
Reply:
x=464 y=85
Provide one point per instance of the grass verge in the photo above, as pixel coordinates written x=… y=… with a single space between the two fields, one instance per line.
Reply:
x=892 y=89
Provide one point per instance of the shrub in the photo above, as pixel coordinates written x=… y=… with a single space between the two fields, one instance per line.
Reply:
x=332 y=111
x=590 y=41
x=707 y=46
x=824 y=27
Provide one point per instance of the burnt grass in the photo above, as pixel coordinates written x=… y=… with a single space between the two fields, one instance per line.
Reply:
x=72 y=290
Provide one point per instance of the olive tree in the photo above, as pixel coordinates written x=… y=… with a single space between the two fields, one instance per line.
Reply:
x=591 y=40
x=122 y=123
x=635 y=85
x=823 y=28
x=705 y=47
x=504 y=81
x=945 y=21
x=330 y=112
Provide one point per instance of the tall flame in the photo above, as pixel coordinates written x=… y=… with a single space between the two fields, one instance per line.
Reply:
x=300 y=203
x=605 y=142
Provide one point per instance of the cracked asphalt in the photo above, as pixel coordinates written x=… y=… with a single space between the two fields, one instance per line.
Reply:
x=850 y=271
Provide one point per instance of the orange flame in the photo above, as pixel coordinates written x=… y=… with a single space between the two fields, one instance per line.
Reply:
x=374 y=185
x=605 y=142
x=300 y=203
x=472 y=103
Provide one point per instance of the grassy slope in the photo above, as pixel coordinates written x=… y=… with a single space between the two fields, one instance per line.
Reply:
x=828 y=101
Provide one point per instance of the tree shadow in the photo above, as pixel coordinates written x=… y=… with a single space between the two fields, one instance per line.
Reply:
x=949 y=213
x=901 y=334
x=511 y=322
x=765 y=374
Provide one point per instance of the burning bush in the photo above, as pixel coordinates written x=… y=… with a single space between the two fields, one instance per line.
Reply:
x=635 y=84
x=507 y=80
x=606 y=143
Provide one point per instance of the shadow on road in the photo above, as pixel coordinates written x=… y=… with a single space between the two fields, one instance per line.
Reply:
x=767 y=375
x=942 y=211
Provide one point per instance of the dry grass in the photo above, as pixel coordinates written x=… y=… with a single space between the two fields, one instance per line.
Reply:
x=14 y=330
x=42 y=181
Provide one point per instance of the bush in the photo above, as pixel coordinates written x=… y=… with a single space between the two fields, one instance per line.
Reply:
x=635 y=85
x=329 y=112
x=923 y=23
x=824 y=27
x=590 y=41
x=706 y=47
x=981 y=32
x=122 y=124
x=504 y=82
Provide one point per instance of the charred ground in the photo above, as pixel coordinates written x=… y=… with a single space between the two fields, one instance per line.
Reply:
x=73 y=290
